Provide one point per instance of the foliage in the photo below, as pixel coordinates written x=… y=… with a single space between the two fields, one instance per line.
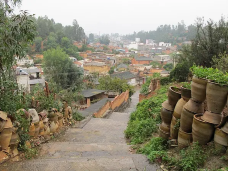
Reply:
x=192 y=158
x=111 y=71
x=59 y=68
x=91 y=37
x=143 y=122
x=104 y=40
x=30 y=152
x=38 y=41
x=126 y=61
x=37 y=61
x=115 y=84
x=221 y=62
x=209 y=42
x=77 y=116
x=145 y=86
x=180 y=72
x=168 y=67
x=186 y=85
x=156 y=148
x=156 y=64
x=165 y=80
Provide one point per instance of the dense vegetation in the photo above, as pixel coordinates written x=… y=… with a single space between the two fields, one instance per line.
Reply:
x=145 y=86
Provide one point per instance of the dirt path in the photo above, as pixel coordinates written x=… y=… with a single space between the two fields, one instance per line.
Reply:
x=99 y=146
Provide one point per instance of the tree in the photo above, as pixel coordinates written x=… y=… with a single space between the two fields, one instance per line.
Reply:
x=91 y=37
x=222 y=62
x=59 y=68
x=168 y=67
x=111 y=71
x=156 y=64
x=211 y=40
x=104 y=40
x=38 y=41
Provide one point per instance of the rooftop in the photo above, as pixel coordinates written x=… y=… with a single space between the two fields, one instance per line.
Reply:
x=143 y=58
x=91 y=92
x=122 y=66
x=123 y=75
x=95 y=64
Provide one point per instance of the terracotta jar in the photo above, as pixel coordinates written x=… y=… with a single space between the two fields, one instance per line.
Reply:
x=34 y=114
x=173 y=95
x=178 y=108
x=165 y=127
x=184 y=138
x=3 y=120
x=221 y=137
x=53 y=127
x=60 y=123
x=202 y=131
x=186 y=120
x=163 y=134
x=185 y=93
x=225 y=128
x=198 y=89
x=41 y=131
x=32 y=130
x=174 y=127
x=14 y=143
x=216 y=96
x=213 y=118
x=167 y=106
x=5 y=138
x=194 y=107
x=37 y=129
x=166 y=115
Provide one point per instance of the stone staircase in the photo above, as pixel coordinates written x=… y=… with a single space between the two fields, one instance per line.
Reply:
x=99 y=146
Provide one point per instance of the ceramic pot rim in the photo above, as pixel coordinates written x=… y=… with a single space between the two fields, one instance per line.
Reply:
x=172 y=89
x=167 y=133
x=184 y=132
x=198 y=118
x=200 y=78
x=221 y=85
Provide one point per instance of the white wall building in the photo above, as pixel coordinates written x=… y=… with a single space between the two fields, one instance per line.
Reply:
x=164 y=44
x=133 y=45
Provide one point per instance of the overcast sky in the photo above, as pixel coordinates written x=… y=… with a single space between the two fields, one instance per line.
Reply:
x=125 y=16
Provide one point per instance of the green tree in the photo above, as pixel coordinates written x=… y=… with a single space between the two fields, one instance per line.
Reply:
x=104 y=40
x=111 y=71
x=91 y=37
x=168 y=67
x=156 y=64
x=59 y=68
x=38 y=41
x=222 y=62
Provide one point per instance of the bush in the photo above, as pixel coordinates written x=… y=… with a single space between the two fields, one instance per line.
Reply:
x=192 y=158
x=155 y=149
x=165 y=80
x=77 y=116
x=168 y=67
x=145 y=86
x=180 y=72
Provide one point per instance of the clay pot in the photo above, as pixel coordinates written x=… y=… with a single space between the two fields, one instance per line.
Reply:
x=53 y=127
x=186 y=120
x=32 y=130
x=201 y=131
x=216 y=97
x=166 y=116
x=194 y=107
x=167 y=106
x=2 y=124
x=184 y=138
x=223 y=121
x=60 y=122
x=212 y=118
x=3 y=115
x=37 y=129
x=185 y=93
x=174 y=127
x=225 y=128
x=198 y=89
x=5 y=138
x=8 y=123
x=165 y=127
x=173 y=95
x=34 y=114
x=178 y=108
x=14 y=143
x=47 y=130
x=221 y=137
x=41 y=131
x=163 y=134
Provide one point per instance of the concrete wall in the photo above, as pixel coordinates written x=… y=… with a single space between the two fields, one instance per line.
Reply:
x=102 y=111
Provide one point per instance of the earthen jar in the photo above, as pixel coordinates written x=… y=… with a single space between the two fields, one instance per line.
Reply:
x=37 y=129
x=186 y=120
x=216 y=96
x=198 y=89
x=14 y=143
x=221 y=137
x=5 y=138
x=173 y=95
x=167 y=106
x=34 y=114
x=212 y=118
x=178 y=108
x=184 y=138
x=165 y=127
x=194 y=107
x=185 y=93
x=53 y=127
x=174 y=127
x=163 y=134
x=225 y=128
x=166 y=115
x=202 y=131
x=32 y=130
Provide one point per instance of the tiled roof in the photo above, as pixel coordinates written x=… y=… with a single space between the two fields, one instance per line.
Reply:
x=143 y=58
x=91 y=92
x=123 y=75
x=122 y=66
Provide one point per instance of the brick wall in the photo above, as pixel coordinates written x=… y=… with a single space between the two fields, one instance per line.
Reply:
x=118 y=101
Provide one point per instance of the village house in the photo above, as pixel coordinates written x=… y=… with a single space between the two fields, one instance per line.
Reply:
x=142 y=60
x=131 y=78
x=99 y=67
x=122 y=67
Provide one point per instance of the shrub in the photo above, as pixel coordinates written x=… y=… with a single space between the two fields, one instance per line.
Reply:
x=192 y=158
x=165 y=80
x=77 y=116
x=180 y=72
x=145 y=86
x=168 y=67
x=155 y=149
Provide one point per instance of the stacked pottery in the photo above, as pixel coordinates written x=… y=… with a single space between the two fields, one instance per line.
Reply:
x=6 y=135
x=202 y=132
x=167 y=111
x=14 y=142
x=185 y=95
x=192 y=107
x=216 y=96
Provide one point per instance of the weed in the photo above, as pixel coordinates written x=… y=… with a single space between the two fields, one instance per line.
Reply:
x=30 y=152
x=77 y=116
